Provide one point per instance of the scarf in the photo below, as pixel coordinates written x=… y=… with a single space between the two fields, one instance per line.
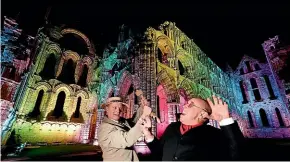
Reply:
x=184 y=128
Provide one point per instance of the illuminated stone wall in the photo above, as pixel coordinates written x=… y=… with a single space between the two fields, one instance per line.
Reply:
x=263 y=106
x=170 y=69
x=116 y=74
x=278 y=57
x=48 y=132
x=15 y=61
x=184 y=71
x=64 y=88
x=58 y=102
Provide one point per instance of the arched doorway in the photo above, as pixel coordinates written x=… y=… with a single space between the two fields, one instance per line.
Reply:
x=162 y=109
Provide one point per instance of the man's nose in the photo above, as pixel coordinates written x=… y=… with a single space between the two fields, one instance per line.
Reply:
x=118 y=110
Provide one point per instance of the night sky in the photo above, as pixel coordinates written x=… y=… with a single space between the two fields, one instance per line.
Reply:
x=225 y=32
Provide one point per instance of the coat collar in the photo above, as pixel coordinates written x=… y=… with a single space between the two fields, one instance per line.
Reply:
x=191 y=131
x=120 y=123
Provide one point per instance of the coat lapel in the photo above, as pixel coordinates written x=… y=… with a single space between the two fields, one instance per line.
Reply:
x=125 y=124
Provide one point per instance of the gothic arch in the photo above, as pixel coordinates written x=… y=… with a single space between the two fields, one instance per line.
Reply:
x=65 y=57
x=87 y=60
x=67 y=89
x=189 y=88
x=59 y=107
x=43 y=85
x=83 y=94
x=71 y=55
x=250 y=119
x=82 y=74
x=184 y=58
x=264 y=118
x=37 y=93
x=255 y=89
x=167 y=81
x=165 y=45
x=83 y=36
x=51 y=49
x=66 y=72
x=77 y=112
x=279 y=117
x=49 y=68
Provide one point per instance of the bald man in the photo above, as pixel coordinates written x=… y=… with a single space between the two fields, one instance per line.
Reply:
x=192 y=139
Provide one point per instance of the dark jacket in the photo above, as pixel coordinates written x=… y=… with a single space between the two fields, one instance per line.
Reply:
x=201 y=143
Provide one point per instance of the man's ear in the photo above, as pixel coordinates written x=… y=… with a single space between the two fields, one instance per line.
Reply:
x=205 y=115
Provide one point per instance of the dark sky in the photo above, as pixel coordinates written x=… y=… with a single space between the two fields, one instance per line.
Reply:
x=225 y=32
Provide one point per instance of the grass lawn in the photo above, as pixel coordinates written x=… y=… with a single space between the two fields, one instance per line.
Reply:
x=57 y=150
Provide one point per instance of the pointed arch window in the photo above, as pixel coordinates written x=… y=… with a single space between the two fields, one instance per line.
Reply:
x=181 y=68
x=83 y=79
x=5 y=91
x=248 y=66
x=245 y=100
x=255 y=89
x=242 y=71
x=160 y=55
x=36 y=109
x=48 y=71
x=280 y=119
x=58 y=109
x=251 y=123
x=264 y=118
x=12 y=73
x=68 y=72
x=257 y=67
x=77 y=112
x=269 y=86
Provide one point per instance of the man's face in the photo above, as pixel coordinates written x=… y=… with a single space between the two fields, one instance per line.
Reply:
x=192 y=110
x=114 y=110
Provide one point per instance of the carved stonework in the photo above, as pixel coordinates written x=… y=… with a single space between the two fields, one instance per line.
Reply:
x=270 y=44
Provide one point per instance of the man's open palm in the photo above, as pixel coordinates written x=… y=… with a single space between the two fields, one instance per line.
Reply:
x=219 y=108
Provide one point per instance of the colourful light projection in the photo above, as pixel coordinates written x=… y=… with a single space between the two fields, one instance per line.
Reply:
x=262 y=94
x=15 y=60
x=54 y=108
x=48 y=132
x=65 y=88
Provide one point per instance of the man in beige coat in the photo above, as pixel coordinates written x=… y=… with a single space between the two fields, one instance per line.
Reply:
x=116 y=136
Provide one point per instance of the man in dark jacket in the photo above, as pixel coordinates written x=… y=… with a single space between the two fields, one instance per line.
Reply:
x=192 y=139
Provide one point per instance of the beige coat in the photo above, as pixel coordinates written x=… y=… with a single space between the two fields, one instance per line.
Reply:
x=116 y=140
